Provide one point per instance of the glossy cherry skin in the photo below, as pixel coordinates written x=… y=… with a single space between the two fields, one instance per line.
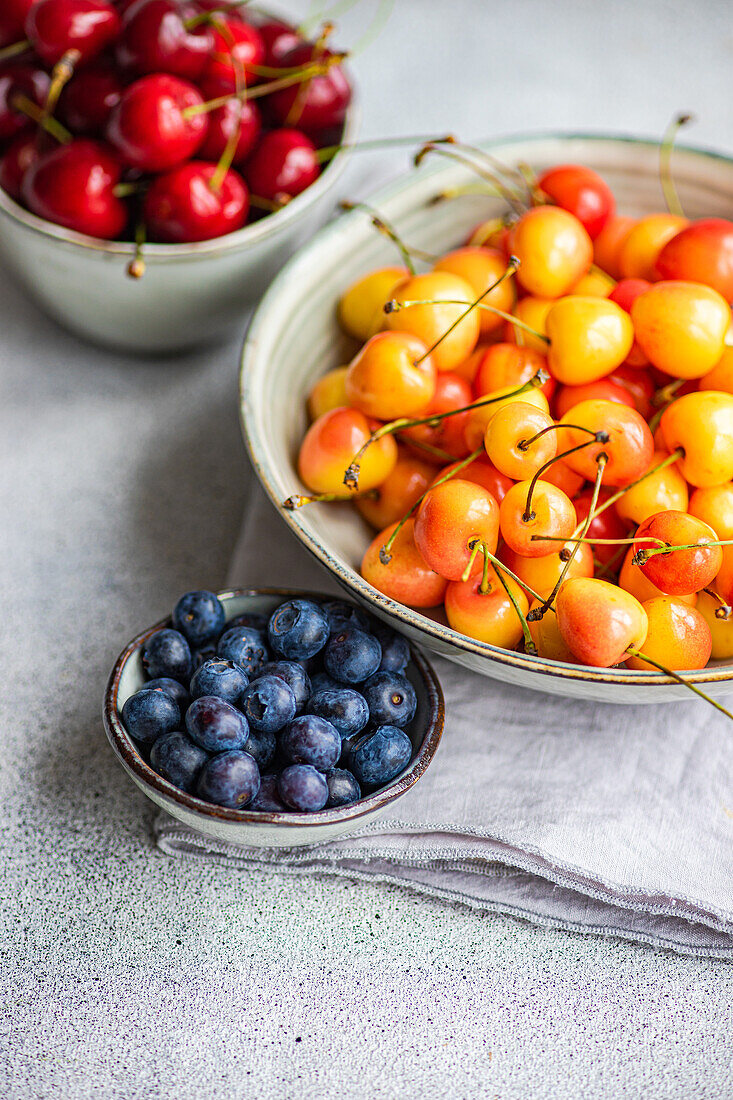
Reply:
x=633 y=580
x=510 y=365
x=72 y=186
x=589 y=337
x=484 y=473
x=451 y=392
x=681 y=327
x=554 y=250
x=181 y=206
x=721 y=630
x=155 y=39
x=237 y=48
x=488 y=617
x=442 y=289
x=391 y=375
x=508 y=435
x=360 y=311
x=278 y=37
x=148 y=128
x=645 y=241
x=450 y=517
x=679 y=572
x=569 y=396
x=629 y=448
x=329 y=392
x=582 y=192
x=552 y=514
x=88 y=99
x=638 y=383
x=19 y=156
x=282 y=165
x=324 y=100
x=12 y=20
x=398 y=492
x=599 y=621
x=54 y=27
x=664 y=491
x=329 y=446
x=242 y=116
x=721 y=376
x=27 y=80
x=678 y=636
x=407 y=578
x=624 y=294
x=481 y=268
x=542 y=574
x=608 y=525
x=714 y=506
x=701 y=253
x=609 y=242
x=702 y=425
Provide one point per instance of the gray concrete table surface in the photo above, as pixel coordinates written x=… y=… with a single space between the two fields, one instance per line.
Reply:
x=127 y=974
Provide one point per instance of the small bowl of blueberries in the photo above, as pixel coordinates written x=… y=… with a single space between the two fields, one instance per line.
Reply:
x=272 y=718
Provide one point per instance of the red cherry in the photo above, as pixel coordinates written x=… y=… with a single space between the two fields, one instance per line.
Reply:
x=12 y=20
x=317 y=104
x=182 y=206
x=88 y=98
x=223 y=121
x=236 y=46
x=57 y=26
x=283 y=164
x=19 y=156
x=73 y=185
x=278 y=37
x=155 y=39
x=701 y=253
x=148 y=127
x=26 y=80
x=581 y=191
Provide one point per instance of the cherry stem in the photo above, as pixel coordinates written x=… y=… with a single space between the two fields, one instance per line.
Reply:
x=136 y=266
x=386 y=229
x=679 y=453
x=528 y=514
x=610 y=566
x=525 y=444
x=529 y=646
x=14 y=49
x=267 y=204
x=666 y=393
x=298 y=501
x=665 y=164
x=600 y=542
x=632 y=652
x=501 y=189
x=210 y=15
x=499 y=565
x=642 y=555
x=474 y=547
x=512 y=267
x=296 y=108
x=61 y=74
x=329 y=151
x=229 y=151
x=539 y=612
x=394 y=306
x=724 y=610
x=260 y=90
x=427 y=447
x=514 y=176
x=27 y=107
x=124 y=190
x=384 y=552
x=351 y=474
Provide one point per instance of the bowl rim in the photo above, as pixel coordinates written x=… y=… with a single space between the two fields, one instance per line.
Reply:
x=126 y=751
x=248 y=235
x=265 y=317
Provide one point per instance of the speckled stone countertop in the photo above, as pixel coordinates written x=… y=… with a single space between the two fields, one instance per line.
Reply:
x=126 y=974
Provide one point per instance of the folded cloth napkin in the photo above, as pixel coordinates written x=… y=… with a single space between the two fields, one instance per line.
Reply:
x=612 y=820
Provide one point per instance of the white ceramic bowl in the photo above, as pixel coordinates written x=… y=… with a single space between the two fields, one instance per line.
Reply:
x=294 y=338
x=246 y=827
x=189 y=295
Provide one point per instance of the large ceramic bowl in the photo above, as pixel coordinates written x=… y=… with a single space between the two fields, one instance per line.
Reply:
x=189 y=295
x=267 y=830
x=294 y=338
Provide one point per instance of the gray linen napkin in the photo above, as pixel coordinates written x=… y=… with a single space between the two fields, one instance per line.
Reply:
x=600 y=819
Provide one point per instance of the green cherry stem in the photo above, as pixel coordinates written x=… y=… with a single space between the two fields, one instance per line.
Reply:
x=723 y=610
x=51 y=125
x=642 y=555
x=14 y=49
x=632 y=652
x=528 y=514
x=297 y=500
x=386 y=229
x=665 y=164
x=679 y=453
x=329 y=151
x=503 y=191
x=529 y=646
x=394 y=306
x=305 y=73
x=428 y=448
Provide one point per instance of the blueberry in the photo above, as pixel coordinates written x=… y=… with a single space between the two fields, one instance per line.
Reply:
x=341 y=614
x=303 y=788
x=251 y=619
x=230 y=779
x=177 y=759
x=344 y=708
x=391 y=699
x=246 y=647
x=395 y=649
x=323 y=682
x=174 y=689
x=342 y=788
x=348 y=744
x=167 y=653
x=200 y=656
x=352 y=655
x=380 y=756
x=298 y=629
x=200 y=617
x=311 y=740
x=268 y=704
x=267 y=799
x=295 y=676
x=216 y=725
x=149 y=713
x=221 y=678
x=263 y=747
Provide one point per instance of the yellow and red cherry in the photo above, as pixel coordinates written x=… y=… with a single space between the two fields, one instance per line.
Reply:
x=553 y=248
x=329 y=392
x=701 y=424
x=481 y=268
x=392 y=375
x=360 y=309
x=609 y=242
x=665 y=490
x=678 y=636
x=638 y=383
x=607 y=525
x=632 y=580
x=721 y=376
x=548 y=640
x=531 y=311
x=488 y=616
x=542 y=574
x=624 y=294
x=483 y=473
x=677 y=572
x=406 y=578
x=582 y=192
x=519 y=440
x=450 y=519
x=599 y=621
x=721 y=629
x=447 y=436
x=681 y=327
x=547 y=513
x=701 y=253
x=479 y=418
x=567 y=397
x=506 y=364
x=329 y=446
x=723 y=583
x=594 y=284
x=629 y=445
x=399 y=491
x=441 y=289
x=589 y=338
x=714 y=506
x=645 y=241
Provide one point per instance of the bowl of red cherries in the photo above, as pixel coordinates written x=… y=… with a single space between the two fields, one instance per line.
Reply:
x=272 y=718
x=161 y=159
